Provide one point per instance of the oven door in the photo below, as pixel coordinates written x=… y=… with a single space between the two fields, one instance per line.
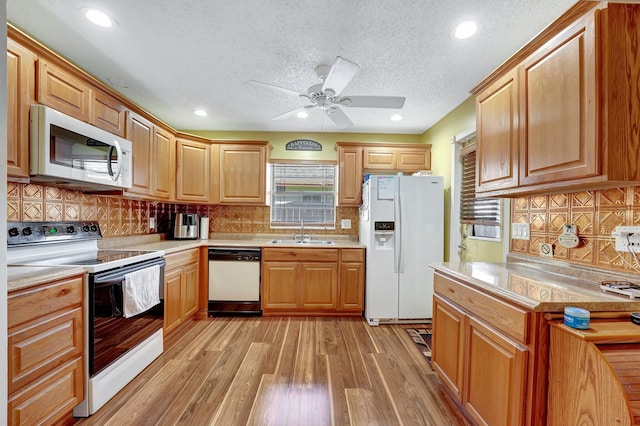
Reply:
x=111 y=335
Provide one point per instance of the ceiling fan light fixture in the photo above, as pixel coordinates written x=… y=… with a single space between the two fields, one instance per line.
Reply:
x=99 y=18
x=395 y=117
x=302 y=114
x=200 y=113
x=465 y=30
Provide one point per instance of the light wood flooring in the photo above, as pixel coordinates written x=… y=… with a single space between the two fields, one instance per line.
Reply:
x=283 y=371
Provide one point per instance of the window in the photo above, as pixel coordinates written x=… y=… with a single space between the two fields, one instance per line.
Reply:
x=482 y=215
x=303 y=191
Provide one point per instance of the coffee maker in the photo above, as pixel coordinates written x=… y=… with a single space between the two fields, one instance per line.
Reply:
x=185 y=226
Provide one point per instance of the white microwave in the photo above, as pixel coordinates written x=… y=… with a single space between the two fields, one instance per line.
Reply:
x=75 y=154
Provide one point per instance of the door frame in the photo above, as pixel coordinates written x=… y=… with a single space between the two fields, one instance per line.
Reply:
x=455 y=238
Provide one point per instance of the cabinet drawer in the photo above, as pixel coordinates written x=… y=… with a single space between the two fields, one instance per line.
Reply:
x=51 y=399
x=37 y=302
x=506 y=318
x=42 y=346
x=181 y=258
x=304 y=254
x=352 y=255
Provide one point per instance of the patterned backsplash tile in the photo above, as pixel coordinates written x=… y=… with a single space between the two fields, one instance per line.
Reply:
x=595 y=214
x=120 y=216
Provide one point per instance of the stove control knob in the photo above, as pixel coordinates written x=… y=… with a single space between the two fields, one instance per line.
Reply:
x=71 y=230
x=94 y=228
x=27 y=231
x=85 y=228
x=13 y=232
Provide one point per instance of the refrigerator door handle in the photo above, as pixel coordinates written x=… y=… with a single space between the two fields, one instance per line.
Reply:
x=398 y=230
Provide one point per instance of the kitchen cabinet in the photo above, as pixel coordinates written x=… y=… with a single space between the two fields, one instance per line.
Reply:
x=300 y=281
x=567 y=93
x=107 y=113
x=62 y=91
x=140 y=133
x=192 y=169
x=45 y=351
x=163 y=156
x=484 y=352
x=354 y=158
x=20 y=95
x=181 y=288
x=242 y=171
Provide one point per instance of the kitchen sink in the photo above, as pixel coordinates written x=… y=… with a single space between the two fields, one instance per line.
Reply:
x=305 y=242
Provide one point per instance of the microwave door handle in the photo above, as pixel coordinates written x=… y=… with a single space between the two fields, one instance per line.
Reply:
x=116 y=175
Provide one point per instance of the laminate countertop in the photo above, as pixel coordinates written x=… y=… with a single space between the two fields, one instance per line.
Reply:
x=19 y=277
x=539 y=290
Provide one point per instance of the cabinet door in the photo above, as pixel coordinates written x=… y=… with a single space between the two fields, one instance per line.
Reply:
x=448 y=344
x=558 y=106
x=172 y=299
x=497 y=135
x=164 y=164
x=349 y=176
x=193 y=168
x=108 y=114
x=318 y=285
x=412 y=160
x=379 y=158
x=495 y=377
x=190 y=290
x=351 y=286
x=280 y=285
x=140 y=133
x=242 y=174
x=60 y=90
x=20 y=93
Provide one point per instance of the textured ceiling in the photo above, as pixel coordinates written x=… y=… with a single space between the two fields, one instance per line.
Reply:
x=172 y=57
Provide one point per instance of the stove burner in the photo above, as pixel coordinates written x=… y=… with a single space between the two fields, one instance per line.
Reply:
x=625 y=288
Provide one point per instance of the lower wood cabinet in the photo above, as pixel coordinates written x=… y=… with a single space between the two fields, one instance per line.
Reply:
x=180 y=288
x=45 y=352
x=312 y=281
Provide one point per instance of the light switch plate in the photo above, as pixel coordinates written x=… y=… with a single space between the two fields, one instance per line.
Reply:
x=520 y=231
x=345 y=223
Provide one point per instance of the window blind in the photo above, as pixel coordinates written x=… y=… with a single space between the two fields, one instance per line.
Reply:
x=477 y=211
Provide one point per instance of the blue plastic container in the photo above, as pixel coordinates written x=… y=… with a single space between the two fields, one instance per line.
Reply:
x=576 y=318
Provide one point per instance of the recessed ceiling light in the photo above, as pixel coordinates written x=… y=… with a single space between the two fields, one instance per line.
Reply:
x=465 y=30
x=99 y=18
x=396 y=117
x=302 y=114
x=200 y=113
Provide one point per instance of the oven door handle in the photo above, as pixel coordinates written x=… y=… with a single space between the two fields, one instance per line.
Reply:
x=110 y=277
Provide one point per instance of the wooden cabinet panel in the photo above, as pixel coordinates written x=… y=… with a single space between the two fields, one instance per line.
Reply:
x=351 y=286
x=495 y=377
x=182 y=280
x=497 y=135
x=20 y=96
x=448 y=344
x=172 y=300
x=300 y=254
x=379 y=158
x=60 y=90
x=558 y=108
x=190 y=290
x=243 y=173
x=193 y=170
x=164 y=164
x=349 y=176
x=280 y=288
x=411 y=160
x=140 y=133
x=108 y=114
x=319 y=285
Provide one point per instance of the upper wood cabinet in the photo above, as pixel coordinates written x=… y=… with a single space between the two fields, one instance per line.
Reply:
x=140 y=133
x=62 y=91
x=397 y=158
x=241 y=172
x=193 y=168
x=573 y=112
x=349 y=175
x=107 y=113
x=163 y=156
x=20 y=96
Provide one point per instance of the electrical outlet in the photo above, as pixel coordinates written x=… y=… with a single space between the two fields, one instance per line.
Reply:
x=627 y=238
x=520 y=231
x=345 y=223
x=152 y=223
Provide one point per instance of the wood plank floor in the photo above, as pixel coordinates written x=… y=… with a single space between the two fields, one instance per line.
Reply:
x=283 y=371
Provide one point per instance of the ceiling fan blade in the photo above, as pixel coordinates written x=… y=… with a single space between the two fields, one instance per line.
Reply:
x=292 y=113
x=340 y=74
x=338 y=117
x=274 y=87
x=395 y=102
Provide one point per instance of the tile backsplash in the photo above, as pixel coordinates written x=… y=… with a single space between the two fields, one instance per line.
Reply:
x=595 y=213
x=119 y=216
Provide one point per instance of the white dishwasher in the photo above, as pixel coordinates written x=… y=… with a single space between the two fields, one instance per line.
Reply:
x=234 y=281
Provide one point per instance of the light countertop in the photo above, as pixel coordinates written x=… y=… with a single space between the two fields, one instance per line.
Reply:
x=19 y=277
x=536 y=289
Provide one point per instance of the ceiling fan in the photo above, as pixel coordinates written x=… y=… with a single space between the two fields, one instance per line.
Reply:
x=328 y=95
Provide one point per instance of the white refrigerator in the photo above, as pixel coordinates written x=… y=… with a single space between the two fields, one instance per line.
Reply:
x=402 y=226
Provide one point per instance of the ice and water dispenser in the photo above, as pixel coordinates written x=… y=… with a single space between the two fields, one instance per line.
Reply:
x=384 y=235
